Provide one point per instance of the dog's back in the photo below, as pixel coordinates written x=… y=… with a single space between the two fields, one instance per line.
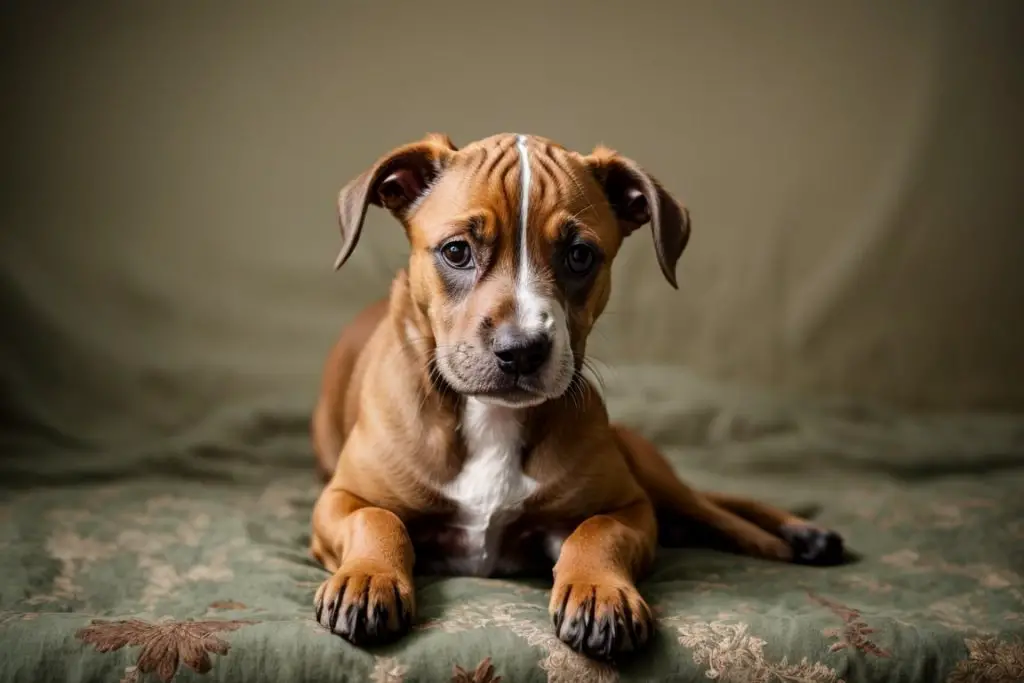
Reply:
x=337 y=406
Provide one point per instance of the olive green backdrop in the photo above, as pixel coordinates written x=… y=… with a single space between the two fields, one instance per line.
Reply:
x=854 y=171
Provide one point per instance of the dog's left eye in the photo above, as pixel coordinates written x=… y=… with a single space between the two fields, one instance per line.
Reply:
x=457 y=254
x=580 y=259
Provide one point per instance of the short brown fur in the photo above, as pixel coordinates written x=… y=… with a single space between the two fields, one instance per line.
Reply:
x=386 y=426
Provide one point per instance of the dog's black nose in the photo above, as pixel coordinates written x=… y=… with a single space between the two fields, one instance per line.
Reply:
x=518 y=353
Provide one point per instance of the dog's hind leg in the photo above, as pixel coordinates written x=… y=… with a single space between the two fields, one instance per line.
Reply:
x=755 y=528
x=768 y=517
x=810 y=543
x=677 y=504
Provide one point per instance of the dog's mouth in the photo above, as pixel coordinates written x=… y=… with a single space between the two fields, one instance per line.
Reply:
x=512 y=397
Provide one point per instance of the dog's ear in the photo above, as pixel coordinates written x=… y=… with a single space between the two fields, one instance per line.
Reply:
x=637 y=199
x=394 y=182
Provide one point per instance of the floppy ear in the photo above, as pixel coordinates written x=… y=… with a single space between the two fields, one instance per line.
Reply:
x=638 y=199
x=395 y=182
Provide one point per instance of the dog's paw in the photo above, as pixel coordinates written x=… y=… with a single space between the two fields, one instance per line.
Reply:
x=813 y=545
x=600 y=619
x=365 y=605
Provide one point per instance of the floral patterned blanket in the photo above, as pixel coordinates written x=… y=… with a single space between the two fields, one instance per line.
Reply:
x=192 y=564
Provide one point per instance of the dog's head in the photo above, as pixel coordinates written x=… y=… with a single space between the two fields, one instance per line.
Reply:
x=512 y=241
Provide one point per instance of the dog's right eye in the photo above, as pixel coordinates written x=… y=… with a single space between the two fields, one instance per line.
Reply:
x=457 y=254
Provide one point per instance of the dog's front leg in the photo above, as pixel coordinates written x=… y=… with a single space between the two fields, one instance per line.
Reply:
x=595 y=605
x=369 y=599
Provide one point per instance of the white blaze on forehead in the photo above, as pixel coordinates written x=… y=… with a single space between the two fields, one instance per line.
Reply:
x=526 y=178
x=532 y=309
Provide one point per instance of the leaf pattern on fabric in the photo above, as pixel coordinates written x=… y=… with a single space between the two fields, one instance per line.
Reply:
x=732 y=655
x=64 y=564
x=962 y=613
x=467 y=616
x=986 y=575
x=388 y=670
x=75 y=554
x=163 y=578
x=164 y=645
x=134 y=534
x=1018 y=597
x=516 y=588
x=484 y=673
x=991 y=661
x=560 y=663
x=947 y=514
x=7 y=617
x=854 y=631
x=866 y=583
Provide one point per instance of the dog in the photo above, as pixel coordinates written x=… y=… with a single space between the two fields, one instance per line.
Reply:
x=456 y=430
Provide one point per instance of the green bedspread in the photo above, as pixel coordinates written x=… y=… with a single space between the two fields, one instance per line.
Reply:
x=188 y=557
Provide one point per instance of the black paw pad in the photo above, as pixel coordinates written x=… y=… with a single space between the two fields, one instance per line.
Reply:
x=812 y=545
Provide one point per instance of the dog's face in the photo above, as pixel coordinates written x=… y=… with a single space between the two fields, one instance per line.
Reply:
x=512 y=241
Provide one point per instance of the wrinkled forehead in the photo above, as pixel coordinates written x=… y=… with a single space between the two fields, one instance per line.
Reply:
x=522 y=183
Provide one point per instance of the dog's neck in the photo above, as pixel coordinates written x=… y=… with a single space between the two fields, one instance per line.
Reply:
x=418 y=348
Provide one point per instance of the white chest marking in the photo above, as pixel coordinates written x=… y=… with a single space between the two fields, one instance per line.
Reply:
x=491 y=488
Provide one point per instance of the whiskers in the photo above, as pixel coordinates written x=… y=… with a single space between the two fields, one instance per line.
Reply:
x=575 y=391
x=590 y=363
x=579 y=384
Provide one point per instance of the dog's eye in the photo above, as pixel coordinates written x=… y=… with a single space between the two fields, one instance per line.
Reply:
x=457 y=254
x=580 y=259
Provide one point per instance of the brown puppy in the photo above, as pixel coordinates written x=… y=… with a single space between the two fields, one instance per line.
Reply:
x=455 y=426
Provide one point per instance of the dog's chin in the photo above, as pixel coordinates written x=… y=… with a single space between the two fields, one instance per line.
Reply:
x=520 y=392
x=510 y=399
x=508 y=393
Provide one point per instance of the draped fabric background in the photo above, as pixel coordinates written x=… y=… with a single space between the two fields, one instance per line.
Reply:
x=854 y=171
